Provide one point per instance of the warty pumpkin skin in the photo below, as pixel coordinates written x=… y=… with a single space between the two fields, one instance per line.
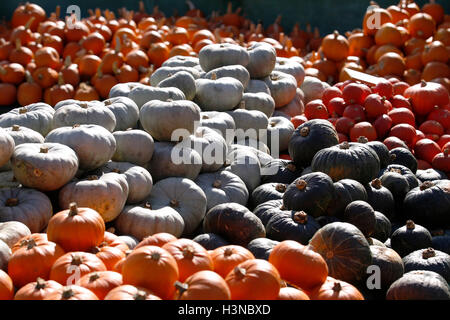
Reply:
x=223 y=54
x=234 y=222
x=36 y=116
x=7 y=145
x=311 y=193
x=37 y=290
x=106 y=194
x=254 y=279
x=419 y=285
x=428 y=259
x=222 y=187
x=218 y=94
x=203 y=285
x=33 y=257
x=428 y=204
x=133 y=145
x=161 y=119
x=309 y=138
x=72 y=112
x=45 y=167
x=345 y=249
x=129 y=292
x=142 y=221
x=409 y=238
x=93 y=144
x=66 y=226
x=153 y=268
x=262 y=59
x=184 y=196
x=31 y=207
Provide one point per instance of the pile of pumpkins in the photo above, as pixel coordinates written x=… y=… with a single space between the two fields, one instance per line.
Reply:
x=179 y=193
x=49 y=59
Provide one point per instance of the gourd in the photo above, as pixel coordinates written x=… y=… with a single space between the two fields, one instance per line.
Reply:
x=382 y=227
x=266 y=210
x=210 y=241
x=184 y=196
x=390 y=264
x=44 y=166
x=380 y=197
x=123 y=89
x=266 y=192
x=93 y=144
x=101 y=282
x=181 y=61
x=246 y=165
x=36 y=116
x=129 y=292
x=262 y=247
x=291 y=67
x=362 y=215
x=403 y=157
x=203 y=285
x=279 y=132
x=257 y=86
x=134 y=146
x=249 y=124
x=165 y=72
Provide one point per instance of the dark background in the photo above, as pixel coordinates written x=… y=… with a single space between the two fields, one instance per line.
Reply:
x=328 y=15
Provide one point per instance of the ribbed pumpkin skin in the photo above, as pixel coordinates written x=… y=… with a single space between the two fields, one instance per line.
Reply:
x=380 y=198
x=419 y=285
x=404 y=157
x=428 y=259
x=292 y=225
x=266 y=210
x=390 y=264
x=361 y=214
x=285 y=171
x=345 y=249
x=409 y=238
x=311 y=193
x=262 y=247
x=210 y=241
x=381 y=150
x=382 y=227
x=309 y=138
x=348 y=161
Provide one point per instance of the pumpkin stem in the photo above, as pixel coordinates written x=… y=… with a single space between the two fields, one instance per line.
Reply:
x=23 y=110
x=217 y=184
x=44 y=149
x=240 y=272
x=336 y=34
x=76 y=260
x=92 y=177
x=94 y=277
x=29 y=243
x=12 y=202
x=174 y=203
x=155 y=256
x=147 y=205
x=344 y=145
x=15 y=127
x=140 y=295
x=95 y=250
x=304 y=131
x=29 y=22
x=337 y=287
x=376 y=183
x=73 y=209
x=280 y=187
x=188 y=252
x=213 y=76
x=67 y=293
x=423 y=83
x=410 y=225
x=40 y=284
x=301 y=184
x=300 y=217
x=228 y=252
x=363 y=139
x=428 y=253
x=291 y=167
x=426 y=185
x=181 y=287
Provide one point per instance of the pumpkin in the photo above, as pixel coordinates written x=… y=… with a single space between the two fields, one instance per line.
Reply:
x=225 y=258
x=142 y=221
x=282 y=87
x=233 y=71
x=440 y=241
x=218 y=94
x=428 y=259
x=245 y=163
x=153 y=268
x=111 y=250
x=390 y=264
x=362 y=215
x=223 y=54
x=101 y=282
x=291 y=67
x=425 y=95
x=409 y=238
x=432 y=287
x=249 y=124
x=6 y=286
x=182 y=80
x=13 y=231
x=335 y=46
x=126 y=150
x=260 y=101
x=165 y=72
x=383 y=227
x=111 y=193
x=262 y=59
x=8 y=95
x=333 y=289
x=181 y=61
x=71 y=266
x=221 y=122
x=257 y=86
x=380 y=197
x=37 y=290
x=190 y=256
x=363 y=170
x=221 y=218
x=162 y=119
x=203 y=285
x=280 y=171
x=158 y=239
x=345 y=249
x=430 y=175
x=125 y=111
x=222 y=187
x=404 y=157
x=174 y=160
x=290 y=293
x=71 y=112
x=380 y=149
x=262 y=247
x=7 y=147
x=129 y=292
x=313 y=266
x=309 y=138
x=267 y=192
x=428 y=203
x=83 y=139
x=33 y=257
x=72 y=292
x=254 y=279
x=210 y=241
x=421 y=25
x=36 y=116
x=311 y=193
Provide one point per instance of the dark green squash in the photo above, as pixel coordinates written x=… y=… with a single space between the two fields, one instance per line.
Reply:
x=381 y=150
x=403 y=157
x=292 y=225
x=409 y=238
x=429 y=204
x=341 y=199
x=375 y=242
x=281 y=171
x=324 y=220
x=348 y=160
x=380 y=197
x=266 y=210
x=428 y=259
x=345 y=249
x=234 y=222
x=262 y=247
x=397 y=185
x=419 y=285
x=382 y=227
x=309 y=138
x=404 y=171
x=441 y=241
x=355 y=188
x=311 y=193
x=390 y=264
x=210 y=241
x=267 y=192
x=361 y=214
x=430 y=175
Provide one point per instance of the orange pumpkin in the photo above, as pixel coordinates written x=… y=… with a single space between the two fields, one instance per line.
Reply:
x=13 y=73
x=7 y=94
x=6 y=286
x=72 y=292
x=435 y=70
x=388 y=34
x=129 y=292
x=335 y=46
x=375 y=15
x=391 y=63
x=45 y=77
x=94 y=43
x=23 y=13
x=435 y=51
x=435 y=10
x=157 y=239
x=225 y=258
x=29 y=92
x=333 y=289
x=158 y=53
x=111 y=250
x=100 y=282
x=421 y=25
x=359 y=44
x=203 y=285
x=21 y=54
x=290 y=293
x=37 y=290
